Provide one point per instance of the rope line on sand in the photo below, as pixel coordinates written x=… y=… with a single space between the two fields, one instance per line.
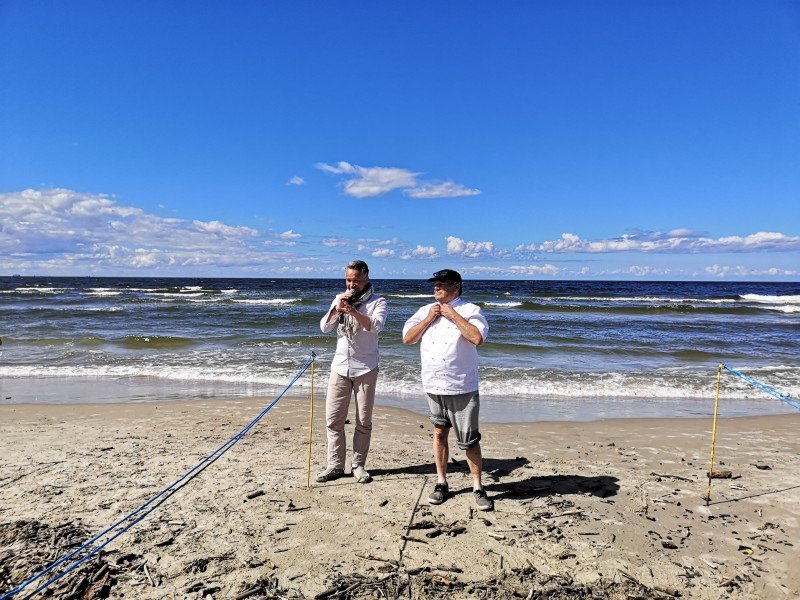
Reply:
x=764 y=387
x=139 y=513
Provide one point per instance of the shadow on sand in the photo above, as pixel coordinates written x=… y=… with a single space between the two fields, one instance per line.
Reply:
x=497 y=472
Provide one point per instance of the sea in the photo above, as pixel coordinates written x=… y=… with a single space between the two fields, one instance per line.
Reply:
x=556 y=350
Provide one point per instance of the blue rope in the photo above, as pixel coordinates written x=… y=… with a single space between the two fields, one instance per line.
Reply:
x=166 y=493
x=763 y=387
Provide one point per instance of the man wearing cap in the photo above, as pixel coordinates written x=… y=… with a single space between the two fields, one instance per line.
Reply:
x=358 y=316
x=450 y=331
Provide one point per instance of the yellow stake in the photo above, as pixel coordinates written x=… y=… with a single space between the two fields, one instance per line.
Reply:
x=707 y=497
x=310 y=427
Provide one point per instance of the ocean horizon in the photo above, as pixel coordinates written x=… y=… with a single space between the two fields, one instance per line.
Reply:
x=556 y=350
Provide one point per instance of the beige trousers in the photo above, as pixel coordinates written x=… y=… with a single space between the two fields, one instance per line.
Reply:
x=340 y=390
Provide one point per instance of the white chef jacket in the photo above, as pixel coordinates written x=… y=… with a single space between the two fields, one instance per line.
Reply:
x=360 y=355
x=449 y=360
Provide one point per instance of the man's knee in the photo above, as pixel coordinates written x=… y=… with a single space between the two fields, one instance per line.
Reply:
x=440 y=432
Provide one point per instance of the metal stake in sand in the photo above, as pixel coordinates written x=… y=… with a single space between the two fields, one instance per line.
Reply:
x=707 y=496
x=310 y=427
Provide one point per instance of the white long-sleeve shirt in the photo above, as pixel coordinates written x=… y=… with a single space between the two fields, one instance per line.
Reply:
x=360 y=355
x=449 y=360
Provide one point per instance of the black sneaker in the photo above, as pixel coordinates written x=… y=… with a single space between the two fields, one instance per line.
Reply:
x=439 y=493
x=482 y=501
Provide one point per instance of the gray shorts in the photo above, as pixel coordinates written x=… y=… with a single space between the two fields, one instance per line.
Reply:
x=459 y=411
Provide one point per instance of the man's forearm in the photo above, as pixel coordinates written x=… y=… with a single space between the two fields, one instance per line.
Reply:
x=415 y=333
x=333 y=313
x=362 y=319
x=468 y=330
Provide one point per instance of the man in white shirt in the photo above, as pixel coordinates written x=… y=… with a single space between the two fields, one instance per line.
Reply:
x=358 y=316
x=450 y=331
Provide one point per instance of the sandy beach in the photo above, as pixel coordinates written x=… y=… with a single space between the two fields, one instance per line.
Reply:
x=598 y=509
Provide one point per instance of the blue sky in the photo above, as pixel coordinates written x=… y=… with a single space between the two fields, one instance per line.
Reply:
x=568 y=140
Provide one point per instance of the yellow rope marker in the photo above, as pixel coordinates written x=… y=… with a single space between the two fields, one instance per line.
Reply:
x=707 y=496
x=310 y=427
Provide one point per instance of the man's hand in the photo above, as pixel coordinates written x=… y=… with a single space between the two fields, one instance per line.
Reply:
x=448 y=312
x=342 y=304
x=414 y=334
x=434 y=312
x=467 y=329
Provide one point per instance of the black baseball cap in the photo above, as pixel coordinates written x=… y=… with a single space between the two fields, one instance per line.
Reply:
x=445 y=275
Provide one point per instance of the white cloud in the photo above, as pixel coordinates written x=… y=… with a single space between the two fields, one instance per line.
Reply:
x=222 y=230
x=448 y=189
x=368 y=182
x=333 y=242
x=380 y=242
x=340 y=168
x=290 y=235
x=676 y=241
x=546 y=269
x=517 y=270
x=296 y=181
x=742 y=271
x=420 y=252
x=456 y=245
x=641 y=271
x=383 y=253
x=63 y=231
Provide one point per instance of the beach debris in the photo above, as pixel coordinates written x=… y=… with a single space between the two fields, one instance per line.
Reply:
x=255 y=494
x=149 y=577
x=383 y=503
x=762 y=466
x=428 y=569
x=266 y=588
x=422 y=525
x=409 y=538
x=372 y=557
x=164 y=541
x=28 y=546
x=200 y=565
x=670 y=476
x=721 y=475
x=438 y=583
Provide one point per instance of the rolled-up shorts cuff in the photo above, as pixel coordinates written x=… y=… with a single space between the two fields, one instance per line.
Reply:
x=459 y=411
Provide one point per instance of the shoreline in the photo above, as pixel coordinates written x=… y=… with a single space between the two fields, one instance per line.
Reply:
x=70 y=391
x=588 y=503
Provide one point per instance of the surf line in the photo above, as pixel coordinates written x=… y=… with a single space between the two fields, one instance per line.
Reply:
x=139 y=513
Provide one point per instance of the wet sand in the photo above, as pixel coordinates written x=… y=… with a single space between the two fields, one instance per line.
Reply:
x=612 y=506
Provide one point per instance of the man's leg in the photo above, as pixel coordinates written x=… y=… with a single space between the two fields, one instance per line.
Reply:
x=364 y=387
x=336 y=404
x=475 y=462
x=466 y=419
x=441 y=452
